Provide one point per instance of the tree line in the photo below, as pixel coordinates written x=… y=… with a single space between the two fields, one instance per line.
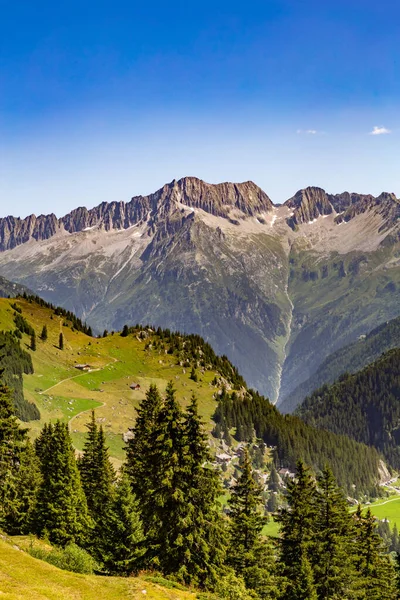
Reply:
x=161 y=512
x=364 y=406
x=16 y=362
x=76 y=322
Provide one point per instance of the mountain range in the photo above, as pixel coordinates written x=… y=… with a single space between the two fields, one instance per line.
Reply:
x=277 y=288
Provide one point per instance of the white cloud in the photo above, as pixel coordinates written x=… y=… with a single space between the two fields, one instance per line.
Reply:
x=379 y=131
x=308 y=131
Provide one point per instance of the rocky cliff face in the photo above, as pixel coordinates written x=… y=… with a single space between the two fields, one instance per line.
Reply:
x=276 y=288
x=312 y=202
x=218 y=200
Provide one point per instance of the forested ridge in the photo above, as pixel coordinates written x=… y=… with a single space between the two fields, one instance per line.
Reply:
x=350 y=359
x=364 y=406
x=353 y=463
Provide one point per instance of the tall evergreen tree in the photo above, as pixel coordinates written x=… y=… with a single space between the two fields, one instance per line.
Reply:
x=97 y=477
x=273 y=482
x=202 y=553
x=123 y=533
x=375 y=573
x=164 y=510
x=61 y=512
x=61 y=341
x=297 y=541
x=140 y=465
x=18 y=470
x=33 y=342
x=248 y=553
x=44 y=334
x=333 y=571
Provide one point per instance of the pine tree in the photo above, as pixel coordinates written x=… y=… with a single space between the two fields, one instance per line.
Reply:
x=273 y=482
x=61 y=341
x=250 y=556
x=123 y=533
x=125 y=331
x=61 y=512
x=44 y=335
x=164 y=509
x=298 y=536
x=97 y=477
x=200 y=558
x=193 y=375
x=140 y=465
x=33 y=342
x=18 y=470
x=333 y=572
x=375 y=575
x=395 y=540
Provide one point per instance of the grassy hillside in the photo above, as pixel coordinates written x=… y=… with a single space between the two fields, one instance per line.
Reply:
x=62 y=392
x=22 y=576
x=349 y=359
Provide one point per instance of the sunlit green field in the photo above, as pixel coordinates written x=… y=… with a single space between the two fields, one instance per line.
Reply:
x=22 y=576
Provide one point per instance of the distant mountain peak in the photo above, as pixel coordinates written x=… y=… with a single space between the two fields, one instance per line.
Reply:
x=311 y=202
x=217 y=199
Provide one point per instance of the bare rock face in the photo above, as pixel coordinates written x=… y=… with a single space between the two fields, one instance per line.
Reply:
x=386 y=205
x=218 y=200
x=307 y=205
x=312 y=202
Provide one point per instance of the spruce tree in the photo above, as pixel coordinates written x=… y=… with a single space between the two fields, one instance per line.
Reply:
x=395 y=540
x=33 y=342
x=97 y=477
x=333 y=572
x=61 y=512
x=164 y=509
x=273 y=482
x=18 y=470
x=250 y=555
x=44 y=335
x=123 y=533
x=125 y=331
x=96 y=471
x=375 y=575
x=140 y=466
x=200 y=558
x=61 y=341
x=297 y=541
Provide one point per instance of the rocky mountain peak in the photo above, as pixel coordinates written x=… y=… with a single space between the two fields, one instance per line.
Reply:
x=308 y=204
x=162 y=206
x=219 y=199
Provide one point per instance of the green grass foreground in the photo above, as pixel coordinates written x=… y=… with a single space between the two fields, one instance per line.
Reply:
x=23 y=577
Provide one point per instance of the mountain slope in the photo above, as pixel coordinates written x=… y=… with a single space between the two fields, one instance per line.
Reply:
x=118 y=369
x=349 y=359
x=276 y=288
x=364 y=406
x=10 y=289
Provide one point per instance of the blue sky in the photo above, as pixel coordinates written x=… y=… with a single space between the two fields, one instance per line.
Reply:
x=101 y=100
